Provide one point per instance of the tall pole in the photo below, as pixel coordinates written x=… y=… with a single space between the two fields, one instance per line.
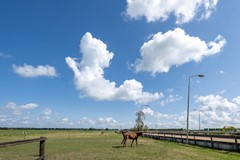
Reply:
x=199 y=121
x=189 y=81
x=188 y=107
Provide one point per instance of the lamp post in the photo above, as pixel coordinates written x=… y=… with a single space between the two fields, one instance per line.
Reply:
x=198 y=118
x=189 y=80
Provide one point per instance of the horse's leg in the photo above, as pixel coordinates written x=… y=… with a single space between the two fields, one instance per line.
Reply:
x=125 y=140
x=132 y=142
x=136 y=143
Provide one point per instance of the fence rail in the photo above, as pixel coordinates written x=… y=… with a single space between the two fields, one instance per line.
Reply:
x=41 y=141
x=225 y=142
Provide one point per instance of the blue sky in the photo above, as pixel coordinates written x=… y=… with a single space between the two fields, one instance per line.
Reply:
x=95 y=63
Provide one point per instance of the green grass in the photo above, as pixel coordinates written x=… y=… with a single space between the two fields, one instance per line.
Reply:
x=66 y=145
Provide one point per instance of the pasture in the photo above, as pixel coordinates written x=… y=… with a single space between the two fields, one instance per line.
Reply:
x=75 y=144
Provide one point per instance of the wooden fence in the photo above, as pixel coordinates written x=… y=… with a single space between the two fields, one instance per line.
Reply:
x=225 y=142
x=41 y=141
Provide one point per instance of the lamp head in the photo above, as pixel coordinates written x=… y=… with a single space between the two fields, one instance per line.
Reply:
x=201 y=75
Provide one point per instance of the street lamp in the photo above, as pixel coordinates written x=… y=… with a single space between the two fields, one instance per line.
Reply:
x=189 y=80
x=198 y=118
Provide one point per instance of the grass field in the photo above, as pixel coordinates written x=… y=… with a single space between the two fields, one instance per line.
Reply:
x=90 y=145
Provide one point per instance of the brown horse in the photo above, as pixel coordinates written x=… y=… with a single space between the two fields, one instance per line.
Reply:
x=130 y=135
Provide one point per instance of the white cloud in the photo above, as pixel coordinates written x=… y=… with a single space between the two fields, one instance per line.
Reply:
x=29 y=106
x=30 y=71
x=148 y=111
x=100 y=122
x=220 y=72
x=15 y=109
x=45 y=115
x=65 y=119
x=183 y=10
x=108 y=120
x=170 y=99
x=3 y=118
x=47 y=112
x=175 y=48
x=89 y=75
x=170 y=90
x=222 y=91
x=215 y=111
x=2 y=55
x=11 y=105
x=86 y=121
x=236 y=100
x=216 y=102
x=167 y=120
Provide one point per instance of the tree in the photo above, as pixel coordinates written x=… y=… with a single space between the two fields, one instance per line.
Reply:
x=139 y=121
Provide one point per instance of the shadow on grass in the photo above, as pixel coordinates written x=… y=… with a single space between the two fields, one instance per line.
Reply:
x=117 y=146
x=126 y=146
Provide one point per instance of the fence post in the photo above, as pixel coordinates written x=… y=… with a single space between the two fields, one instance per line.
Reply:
x=194 y=140
x=41 y=148
x=236 y=144
x=211 y=141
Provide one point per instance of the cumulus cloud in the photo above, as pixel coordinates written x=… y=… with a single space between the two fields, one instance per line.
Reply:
x=171 y=99
x=100 y=122
x=89 y=75
x=29 y=106
x=148 y=111
x=47 y=112
x=4 y=118
x=15 y=109
x=65 y=119
x=217 y=111
x=220 y=72
x=30 y=71
x=222 y=91
x=107 y=120
x=161 y=10
x=4 y=56
x=236 y=100
x=175 y=48
x=86 y=121
x=162 y=120
x=216 y=102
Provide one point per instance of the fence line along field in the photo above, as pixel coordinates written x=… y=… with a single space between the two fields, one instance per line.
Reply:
x=79 y=144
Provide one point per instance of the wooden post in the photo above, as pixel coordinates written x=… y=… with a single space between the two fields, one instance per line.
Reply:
x=194 y=140
x=41 y=148
x=236 y=144
x=211 y=141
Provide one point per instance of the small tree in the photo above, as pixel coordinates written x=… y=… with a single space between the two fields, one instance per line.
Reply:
x=139 y=121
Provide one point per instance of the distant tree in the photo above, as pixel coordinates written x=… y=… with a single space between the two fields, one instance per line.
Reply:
x=139 y=121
